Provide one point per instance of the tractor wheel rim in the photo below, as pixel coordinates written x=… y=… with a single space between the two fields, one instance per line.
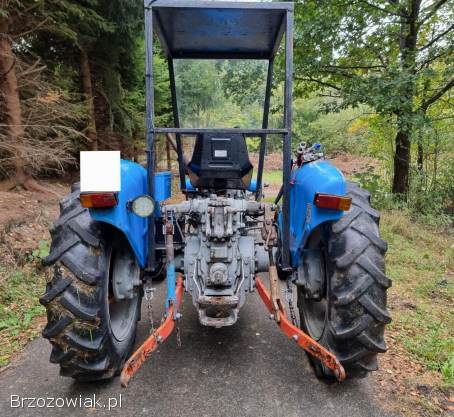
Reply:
x=315 y=313
x=314 y=316
x=122 y=312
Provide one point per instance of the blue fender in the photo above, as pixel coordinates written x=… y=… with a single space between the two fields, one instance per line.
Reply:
x=311 y=178
x=134 y=228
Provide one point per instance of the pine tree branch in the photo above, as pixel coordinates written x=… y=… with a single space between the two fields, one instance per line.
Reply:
x=33 y=29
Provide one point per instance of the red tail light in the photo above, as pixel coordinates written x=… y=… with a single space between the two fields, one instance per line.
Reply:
x=98 y=200
x=332 y=202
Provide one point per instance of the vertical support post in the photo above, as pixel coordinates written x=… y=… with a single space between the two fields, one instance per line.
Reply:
x=170 y=259
x=287 y=138
x=266 y=112
x=169 y=161
x=149 y=89
x=176 y=121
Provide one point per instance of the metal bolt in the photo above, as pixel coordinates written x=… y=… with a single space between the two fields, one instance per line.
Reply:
x=271 y=316
x=159 y=339
x=295 y=337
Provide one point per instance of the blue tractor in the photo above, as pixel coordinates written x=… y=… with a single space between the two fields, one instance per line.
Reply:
x=319 y=239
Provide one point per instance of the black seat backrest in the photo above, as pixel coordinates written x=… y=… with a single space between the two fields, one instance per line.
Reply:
x=220 y=162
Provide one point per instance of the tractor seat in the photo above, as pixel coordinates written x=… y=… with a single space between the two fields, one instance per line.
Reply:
x=220 y=162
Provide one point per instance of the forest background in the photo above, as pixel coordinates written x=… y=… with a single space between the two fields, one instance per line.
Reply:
x=374 y=84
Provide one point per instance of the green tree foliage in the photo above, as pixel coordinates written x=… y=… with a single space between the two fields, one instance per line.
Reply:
x=244 y=81
x=371 y=77
x=395 y=56
x=209 y=95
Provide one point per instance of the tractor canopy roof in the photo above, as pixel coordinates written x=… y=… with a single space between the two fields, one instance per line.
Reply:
x=219 y=29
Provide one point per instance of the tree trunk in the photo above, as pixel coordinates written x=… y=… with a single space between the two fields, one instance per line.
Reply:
x=87 y=90
x=420 y=161
x=401 y=163
x=407 y=45
x=10 y=92
x=13 y=114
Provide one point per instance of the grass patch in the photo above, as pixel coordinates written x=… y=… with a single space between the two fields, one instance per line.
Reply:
x=272 y=177
x=420 y=262
x=19 y=306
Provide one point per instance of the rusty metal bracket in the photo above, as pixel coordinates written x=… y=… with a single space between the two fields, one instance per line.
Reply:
x=275 y=297
x=138 y=358
x=302 y=339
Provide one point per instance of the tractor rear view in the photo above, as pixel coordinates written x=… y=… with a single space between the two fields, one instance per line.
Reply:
x=319 y=239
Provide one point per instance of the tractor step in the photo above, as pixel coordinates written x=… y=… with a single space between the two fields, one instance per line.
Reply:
x=296 y=334
x=159 y=336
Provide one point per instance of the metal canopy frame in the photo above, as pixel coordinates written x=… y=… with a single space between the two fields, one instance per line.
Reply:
x=221 y=30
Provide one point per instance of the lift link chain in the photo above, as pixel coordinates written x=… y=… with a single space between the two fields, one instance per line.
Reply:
x=291 y=307
x=149 y=294
x=177 y=324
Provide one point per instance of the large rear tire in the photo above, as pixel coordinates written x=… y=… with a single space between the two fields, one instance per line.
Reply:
x=350 y=318
x=91 y=332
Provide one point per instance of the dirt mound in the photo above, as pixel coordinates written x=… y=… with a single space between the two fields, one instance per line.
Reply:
x=353 y=164
x=24 y=221
x=273 y=161
x=347 y=163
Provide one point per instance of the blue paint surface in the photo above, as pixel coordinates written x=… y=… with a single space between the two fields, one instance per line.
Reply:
x=253 y=186
x=314 y=177
x=133 y=184
x=189 y=186
x=171 y=283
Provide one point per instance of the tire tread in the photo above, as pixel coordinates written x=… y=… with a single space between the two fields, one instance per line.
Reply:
x=358 y=284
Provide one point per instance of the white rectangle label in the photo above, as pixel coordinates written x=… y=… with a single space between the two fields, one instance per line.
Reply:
x=220 y=153
x=100 y=171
